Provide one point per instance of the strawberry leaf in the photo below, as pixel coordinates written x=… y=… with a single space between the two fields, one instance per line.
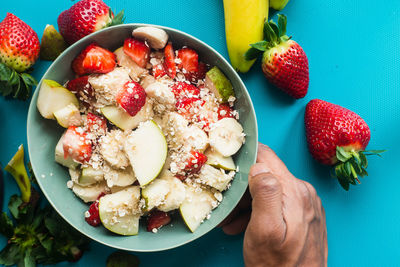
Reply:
x=252 y=53
x=261 y=46
x=10 y=255
x=6 y=225
x=118 y=19
x=269 y=33
x=17 y=85
x=275 y=28
x=282 y=24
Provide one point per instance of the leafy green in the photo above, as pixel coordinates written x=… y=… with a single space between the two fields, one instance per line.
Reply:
x=14 y=84
x=118 y=19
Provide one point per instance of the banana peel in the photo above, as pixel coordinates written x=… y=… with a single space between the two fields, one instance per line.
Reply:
x=244 y=22
x=17 y=169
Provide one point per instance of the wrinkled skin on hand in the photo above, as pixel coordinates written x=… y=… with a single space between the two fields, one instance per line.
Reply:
x=283 y=217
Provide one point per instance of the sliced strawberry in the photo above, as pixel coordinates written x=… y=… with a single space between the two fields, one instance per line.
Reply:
x=194 y=76
x=158 y=71
x=138 y=51
x=96 y=124
x=169 y=60
x=189 y=107
x=157 y=219
x=189 y=59
x=94 y=218
x=94 y=59
x=195 y=161
x=131 y=97
x=225 y=111
x=185 y=90
x=82 y=88
x=77 y=145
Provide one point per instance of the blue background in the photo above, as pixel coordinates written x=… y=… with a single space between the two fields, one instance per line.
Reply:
x=353 y=49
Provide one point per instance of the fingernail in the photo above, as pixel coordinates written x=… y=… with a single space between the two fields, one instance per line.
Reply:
x=259 y=168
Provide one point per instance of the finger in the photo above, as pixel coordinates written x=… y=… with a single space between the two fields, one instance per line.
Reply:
x=244 y=204
x=266 y=191
x=238 y=225
x=267 y=155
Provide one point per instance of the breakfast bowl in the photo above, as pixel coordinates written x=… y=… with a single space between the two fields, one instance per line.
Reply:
x=43 y=135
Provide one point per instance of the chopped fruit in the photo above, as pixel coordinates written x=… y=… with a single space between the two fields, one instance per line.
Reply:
x=155 y=37
x=82 y=89
x=157 y=219
x=94 y=218
x=189 y=59
x=225 y=111
x=214 y=177
x=158 y=71
x=94 y=59
x=89 y=193
x=59 y=155
x=84 y=18
x=185 y=90
x=68 y=116
x=195 y=161
x=77 y=145
x=138 y=51
x=96 y=124
x=216 y=160
x=52 y=44
x=132 y=97
x=199 y=74
x=219 y=84
x=226 y=136
x=188 y=106
x=169 y=60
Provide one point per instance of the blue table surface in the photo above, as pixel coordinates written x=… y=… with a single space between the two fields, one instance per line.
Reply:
x=354 y=56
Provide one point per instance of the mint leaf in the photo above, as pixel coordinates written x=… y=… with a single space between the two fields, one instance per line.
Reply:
x=10 y=255
x=14 y=204
x=6 y=225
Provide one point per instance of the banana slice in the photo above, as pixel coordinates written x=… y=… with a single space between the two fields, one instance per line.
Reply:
x=226 y=136
x=90 y=193
x=112 y=149
x=119 y=177
x=176 y=194
x=155 y=37
x=214 y=177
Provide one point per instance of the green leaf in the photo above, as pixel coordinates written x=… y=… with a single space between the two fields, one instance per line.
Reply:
x=269 y=34
x=14 y=204
x=118 y=19
x=5 y=88
x=261 y=46
x=29 y=261
x=252 y=53
x=28 y=79
x=347 y=168
x=5 y=72
x=274 y=27
x=52 y=225
x=10 y=255
x=375 y=151
x=341 y=154
x=6 y=225
x=344 y=183
x=14 y=78
x=282 y=24
x=363 y=158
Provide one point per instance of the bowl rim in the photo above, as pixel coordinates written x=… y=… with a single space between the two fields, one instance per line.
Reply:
x=32 y=106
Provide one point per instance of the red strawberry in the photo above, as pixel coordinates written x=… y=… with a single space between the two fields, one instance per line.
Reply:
x=77 y=145
x=131 y=97
x=336 y=135
x=19 y=44
x=225 y=111
x=139 y=51
x=195 y=161
x=199 y=74
x=284 y=62
x=94 y=59
x=94 y=218
x=96 y=124
x=157 y=219
x=84 y=18
x=189 y=106
x=189 y=59
x=185 y=90
x=82 y=88
x=158 y=71
x=169 y=60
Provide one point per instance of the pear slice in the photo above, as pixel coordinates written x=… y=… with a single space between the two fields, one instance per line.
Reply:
x=154 y=193
x=121 y=119
x=219 y=84
x=146 y=149
x=52 y=44
x=53 y=97
x=119 y=177
x=176 y=194
x=90 y=176
x=59 y=155
x=199 y=202
x=68 y=116
x=119 y=212
x=216 y=160
x=90 y=193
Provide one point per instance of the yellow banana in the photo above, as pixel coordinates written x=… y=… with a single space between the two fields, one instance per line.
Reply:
x=244 y=22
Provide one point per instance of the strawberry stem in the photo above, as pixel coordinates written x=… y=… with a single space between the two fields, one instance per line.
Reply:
x=351 y=165
x=117 y=19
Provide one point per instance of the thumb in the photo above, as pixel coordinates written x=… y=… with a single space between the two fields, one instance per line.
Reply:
x=266 y=191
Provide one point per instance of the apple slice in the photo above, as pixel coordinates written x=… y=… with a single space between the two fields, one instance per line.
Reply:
x=121 y=119
x=90 y=176
x=216 y=160
x=196 y=206
x=59 y=155
x=146 y=149
x=68 y=116
x=176 y=194
x=53 y=97
x=119 y=212
x=90 y=193
x=154 y=193
x=119 y=177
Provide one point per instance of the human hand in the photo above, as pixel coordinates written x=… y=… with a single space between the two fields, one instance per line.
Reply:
x=285 y=225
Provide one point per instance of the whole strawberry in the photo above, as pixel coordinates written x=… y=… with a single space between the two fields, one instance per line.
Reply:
x=84 y=18
x=19 y=44
x=19 y=50
x=338 y=136
x=284 y=62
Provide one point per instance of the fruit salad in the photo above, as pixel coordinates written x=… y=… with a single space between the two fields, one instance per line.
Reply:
x=150 y=130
